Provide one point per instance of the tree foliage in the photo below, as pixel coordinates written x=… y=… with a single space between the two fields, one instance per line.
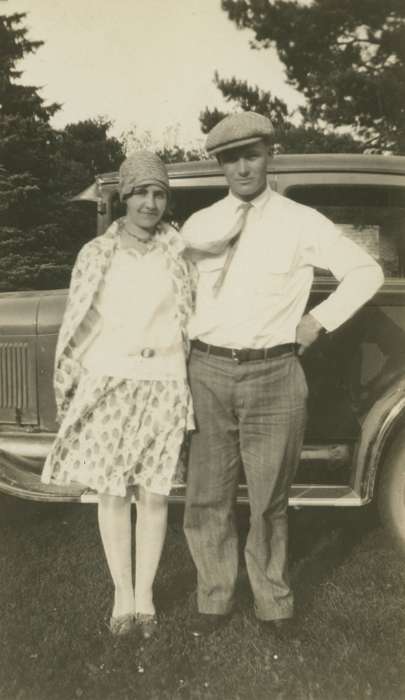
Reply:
x=26 y=136
x=83 y=150
x=347 y=57
x=41 y=168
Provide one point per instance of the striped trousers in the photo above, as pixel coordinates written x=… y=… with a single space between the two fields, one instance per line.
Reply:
x=252 y=415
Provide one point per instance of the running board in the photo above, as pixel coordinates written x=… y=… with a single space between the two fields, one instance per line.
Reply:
x=301 y=495
x=320 y=495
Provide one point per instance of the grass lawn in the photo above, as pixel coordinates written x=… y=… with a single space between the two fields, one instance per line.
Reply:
x=55 y=599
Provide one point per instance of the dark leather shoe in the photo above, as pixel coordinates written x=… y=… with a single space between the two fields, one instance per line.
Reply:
x=205 y=624
x=277 y=628
x=147 y=624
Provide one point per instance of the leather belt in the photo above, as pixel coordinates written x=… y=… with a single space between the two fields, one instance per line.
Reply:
x=245 y=354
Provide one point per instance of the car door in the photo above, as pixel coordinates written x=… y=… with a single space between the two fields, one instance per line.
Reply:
x=349 y=369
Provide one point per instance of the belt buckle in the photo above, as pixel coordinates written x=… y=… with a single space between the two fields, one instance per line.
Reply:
x=240 y=355
x=147 y=352
x=235 y=356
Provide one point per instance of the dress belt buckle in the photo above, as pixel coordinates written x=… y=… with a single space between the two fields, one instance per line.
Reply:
x=241 y=355
x=235 y=356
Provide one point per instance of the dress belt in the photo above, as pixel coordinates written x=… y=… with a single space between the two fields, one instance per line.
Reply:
x=245 y=354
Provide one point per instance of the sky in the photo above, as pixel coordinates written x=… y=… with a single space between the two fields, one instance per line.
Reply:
x=148 y=65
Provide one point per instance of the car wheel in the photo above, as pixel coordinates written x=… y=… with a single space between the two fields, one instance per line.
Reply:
x=391 y=491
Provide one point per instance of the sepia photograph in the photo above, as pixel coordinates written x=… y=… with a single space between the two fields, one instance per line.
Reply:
x=202 y=350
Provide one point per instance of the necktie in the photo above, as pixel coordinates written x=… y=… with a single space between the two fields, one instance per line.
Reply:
x=242 y=211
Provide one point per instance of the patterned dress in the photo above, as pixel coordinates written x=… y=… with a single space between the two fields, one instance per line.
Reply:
x=117 y=432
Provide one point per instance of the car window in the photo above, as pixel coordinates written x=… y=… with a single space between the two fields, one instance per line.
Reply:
x=185 y=201
x=372 y=216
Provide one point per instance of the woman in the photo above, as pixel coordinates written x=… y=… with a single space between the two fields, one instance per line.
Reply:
x=120 y=380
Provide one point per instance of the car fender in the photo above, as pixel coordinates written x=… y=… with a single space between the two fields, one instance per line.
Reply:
x=382 y=422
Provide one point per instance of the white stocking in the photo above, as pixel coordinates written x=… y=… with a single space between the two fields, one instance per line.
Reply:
x=151 y=525
x=114 y=519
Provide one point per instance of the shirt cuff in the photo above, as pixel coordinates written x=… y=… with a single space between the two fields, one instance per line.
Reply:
x=352 y=293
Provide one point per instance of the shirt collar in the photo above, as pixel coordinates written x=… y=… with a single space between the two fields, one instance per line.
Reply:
x=258 y=203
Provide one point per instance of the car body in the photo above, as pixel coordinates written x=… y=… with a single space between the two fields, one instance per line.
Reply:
x=356 y=374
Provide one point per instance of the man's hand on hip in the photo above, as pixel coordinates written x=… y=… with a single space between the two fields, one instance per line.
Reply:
x=308 y=331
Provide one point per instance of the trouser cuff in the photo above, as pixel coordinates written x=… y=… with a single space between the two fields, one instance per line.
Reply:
x=274 y=612
x=208 y=606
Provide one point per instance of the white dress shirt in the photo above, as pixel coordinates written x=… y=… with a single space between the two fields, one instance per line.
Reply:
x=267 y=285
x=136 y=311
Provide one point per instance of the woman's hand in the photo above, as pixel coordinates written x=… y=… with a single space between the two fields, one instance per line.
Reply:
x=308 y=331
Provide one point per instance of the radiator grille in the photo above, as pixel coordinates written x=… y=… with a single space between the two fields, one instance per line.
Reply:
x=14 y=375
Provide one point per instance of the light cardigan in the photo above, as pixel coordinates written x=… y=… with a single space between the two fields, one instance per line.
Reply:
x=91 y=265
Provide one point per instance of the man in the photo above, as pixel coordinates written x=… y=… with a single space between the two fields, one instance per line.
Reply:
x=256 y=252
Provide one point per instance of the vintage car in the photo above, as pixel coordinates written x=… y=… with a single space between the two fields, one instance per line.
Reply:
x=354 y=449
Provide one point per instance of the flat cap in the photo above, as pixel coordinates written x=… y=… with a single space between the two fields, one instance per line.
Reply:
x=238 y=130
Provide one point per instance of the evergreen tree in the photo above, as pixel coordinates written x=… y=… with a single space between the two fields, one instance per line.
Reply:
x=26 y=142
x=41 y=230
x=85 y=149
x=347 y=57
x=26 y=137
